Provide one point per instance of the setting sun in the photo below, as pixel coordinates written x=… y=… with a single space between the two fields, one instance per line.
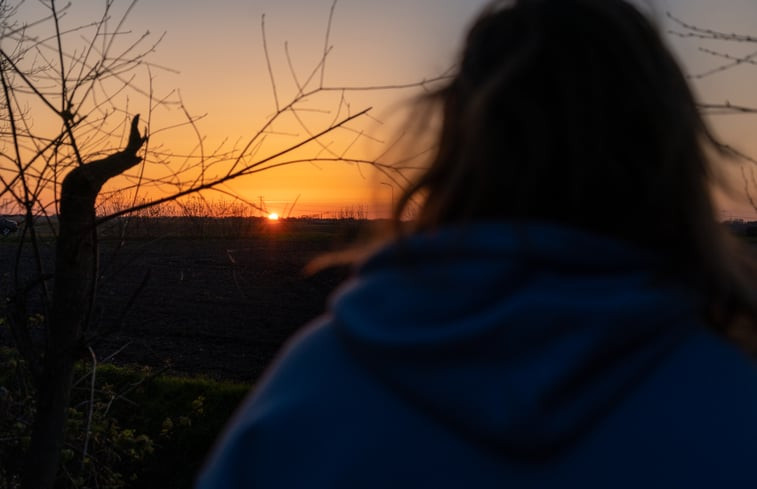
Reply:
x=273 y=216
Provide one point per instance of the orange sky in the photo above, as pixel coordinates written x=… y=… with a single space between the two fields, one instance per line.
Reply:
x=217 y=63
x=217 y=47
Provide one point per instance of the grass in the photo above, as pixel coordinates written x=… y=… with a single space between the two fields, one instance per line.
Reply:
x=181 y=416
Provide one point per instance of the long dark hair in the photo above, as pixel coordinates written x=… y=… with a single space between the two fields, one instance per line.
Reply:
x=574 y=111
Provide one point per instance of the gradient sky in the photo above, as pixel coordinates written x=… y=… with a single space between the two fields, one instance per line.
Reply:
x=217 y=48
x=214 y=50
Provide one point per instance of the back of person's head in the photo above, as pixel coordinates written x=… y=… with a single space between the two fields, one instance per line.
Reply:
x=572 y=111
x=575 y=112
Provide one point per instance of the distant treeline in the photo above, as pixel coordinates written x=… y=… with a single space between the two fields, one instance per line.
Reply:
x=741 y=227
x=204 y=226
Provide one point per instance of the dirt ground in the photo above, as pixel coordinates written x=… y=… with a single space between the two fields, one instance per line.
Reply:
x=220 y=307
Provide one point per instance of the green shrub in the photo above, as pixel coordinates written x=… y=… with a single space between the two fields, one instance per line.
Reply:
x=143 y=429
x=182 y=415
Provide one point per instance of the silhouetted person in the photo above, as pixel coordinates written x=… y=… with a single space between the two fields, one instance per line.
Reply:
x=557 y=314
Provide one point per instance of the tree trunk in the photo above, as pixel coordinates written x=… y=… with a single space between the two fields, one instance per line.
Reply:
x=75 y=268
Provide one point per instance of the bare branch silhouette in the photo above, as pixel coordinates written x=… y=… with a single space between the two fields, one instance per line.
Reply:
x=326 y=47
x=92 y=162
x=716 y=43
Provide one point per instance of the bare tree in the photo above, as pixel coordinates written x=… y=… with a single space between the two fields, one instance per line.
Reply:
x=730 y=51
x=67 y=95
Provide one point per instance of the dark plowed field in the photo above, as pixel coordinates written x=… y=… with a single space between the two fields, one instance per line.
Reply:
x=221 y=307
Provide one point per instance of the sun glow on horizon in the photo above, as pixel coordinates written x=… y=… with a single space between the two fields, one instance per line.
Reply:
x=273 y=216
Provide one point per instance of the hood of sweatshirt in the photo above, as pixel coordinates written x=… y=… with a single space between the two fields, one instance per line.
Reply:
x=518 y=336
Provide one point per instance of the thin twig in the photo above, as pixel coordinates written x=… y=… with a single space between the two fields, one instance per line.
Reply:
x=88 y=429
x=268 y=62
x=326 y=47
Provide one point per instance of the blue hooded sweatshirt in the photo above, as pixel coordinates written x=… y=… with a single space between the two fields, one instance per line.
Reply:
x=500 y=355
